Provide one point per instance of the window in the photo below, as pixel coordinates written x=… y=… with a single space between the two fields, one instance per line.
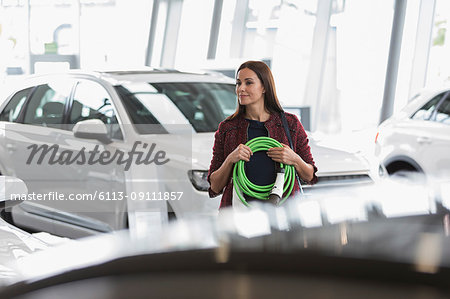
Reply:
x=46 y=106
x=12 y=110
x=426 y=111
x=92 y=101
x=443 y=112
x=143 y=120
x=203 y=104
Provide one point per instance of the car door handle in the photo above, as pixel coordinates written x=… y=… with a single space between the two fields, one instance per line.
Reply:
x=423 y=140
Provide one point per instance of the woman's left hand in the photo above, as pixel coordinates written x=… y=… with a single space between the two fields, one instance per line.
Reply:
x=283 y=155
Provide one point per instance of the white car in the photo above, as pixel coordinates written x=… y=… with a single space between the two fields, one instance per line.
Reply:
x=418 y=137
x=62 y=134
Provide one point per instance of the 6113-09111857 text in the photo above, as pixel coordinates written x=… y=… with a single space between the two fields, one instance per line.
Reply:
x=98 y=195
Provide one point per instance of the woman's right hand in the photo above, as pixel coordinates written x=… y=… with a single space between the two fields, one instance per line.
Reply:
x=241 y=152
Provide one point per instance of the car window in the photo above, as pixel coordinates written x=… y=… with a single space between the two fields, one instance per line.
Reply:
x=46 y=106
x=426 y=111
x=138 y=112
x=13 y=108
x=203 y=104
x=92 y=101
x=443 y=112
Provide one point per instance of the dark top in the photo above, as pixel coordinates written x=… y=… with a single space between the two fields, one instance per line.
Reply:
x=260 y=170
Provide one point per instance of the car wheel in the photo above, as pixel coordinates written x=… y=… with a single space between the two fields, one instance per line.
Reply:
x=401 y=168
x=7 y=216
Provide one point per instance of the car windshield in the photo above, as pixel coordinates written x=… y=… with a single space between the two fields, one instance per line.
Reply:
x=203 y=105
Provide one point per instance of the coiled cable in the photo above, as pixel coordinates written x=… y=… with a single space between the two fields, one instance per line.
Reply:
x=242 y=183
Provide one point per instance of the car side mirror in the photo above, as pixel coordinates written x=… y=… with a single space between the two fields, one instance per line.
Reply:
x=92 y=129
x=12 y=191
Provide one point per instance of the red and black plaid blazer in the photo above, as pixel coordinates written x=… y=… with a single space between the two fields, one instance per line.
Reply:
x=233 y=132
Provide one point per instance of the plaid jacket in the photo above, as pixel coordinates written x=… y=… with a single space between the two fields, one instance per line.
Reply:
x=233 y=132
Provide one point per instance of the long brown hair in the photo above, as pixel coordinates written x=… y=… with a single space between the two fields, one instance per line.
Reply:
x=264 y=74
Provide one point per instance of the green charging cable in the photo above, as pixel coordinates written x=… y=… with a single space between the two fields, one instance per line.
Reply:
x=241 y=182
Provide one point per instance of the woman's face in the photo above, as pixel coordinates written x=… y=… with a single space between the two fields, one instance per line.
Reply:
x=249 y=88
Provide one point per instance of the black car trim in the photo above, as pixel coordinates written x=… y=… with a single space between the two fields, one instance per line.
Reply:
x=21 y=116
x=402 y=158
x=438 y=105
x=66 y=218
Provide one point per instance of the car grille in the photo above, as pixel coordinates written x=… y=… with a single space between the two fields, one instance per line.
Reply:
x=340 y=180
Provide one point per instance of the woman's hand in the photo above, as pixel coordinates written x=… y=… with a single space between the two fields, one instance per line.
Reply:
x=221 y=176
x=287 y=156
x=241 y=152
x=283 y=155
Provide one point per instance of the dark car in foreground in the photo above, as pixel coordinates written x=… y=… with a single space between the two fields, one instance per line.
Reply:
x=378 y=247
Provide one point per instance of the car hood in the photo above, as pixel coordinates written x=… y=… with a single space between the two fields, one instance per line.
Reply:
x=331 y=161
x=328 y=160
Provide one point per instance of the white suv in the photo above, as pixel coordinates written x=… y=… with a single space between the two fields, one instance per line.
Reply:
x=418 y=137
x=62 y=135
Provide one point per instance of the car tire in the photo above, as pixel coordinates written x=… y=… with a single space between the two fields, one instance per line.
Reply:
x=7 y=216
x=400 y=168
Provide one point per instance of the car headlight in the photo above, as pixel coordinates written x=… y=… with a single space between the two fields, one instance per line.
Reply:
x=198 y=179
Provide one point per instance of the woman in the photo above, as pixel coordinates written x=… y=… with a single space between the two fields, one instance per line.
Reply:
x=258 y=114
